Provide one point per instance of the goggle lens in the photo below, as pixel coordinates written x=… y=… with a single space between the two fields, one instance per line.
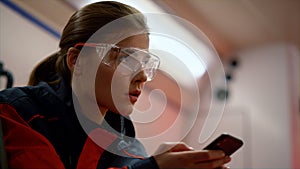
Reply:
x=133 y=60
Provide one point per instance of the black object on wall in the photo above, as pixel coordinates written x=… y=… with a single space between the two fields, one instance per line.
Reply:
x=230 y=67
x=8 y=76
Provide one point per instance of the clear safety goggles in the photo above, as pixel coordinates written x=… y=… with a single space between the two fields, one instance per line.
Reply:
x=132 y=60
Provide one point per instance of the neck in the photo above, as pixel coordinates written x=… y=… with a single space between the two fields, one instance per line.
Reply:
x=103 y=112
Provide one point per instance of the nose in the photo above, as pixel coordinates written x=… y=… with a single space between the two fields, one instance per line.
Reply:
x=140 y=77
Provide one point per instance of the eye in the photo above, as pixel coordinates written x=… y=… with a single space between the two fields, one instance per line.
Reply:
x=130 y=50
x=144 y=58
x=122 y=57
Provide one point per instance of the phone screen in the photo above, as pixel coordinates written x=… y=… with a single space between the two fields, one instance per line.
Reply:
x=226 y=143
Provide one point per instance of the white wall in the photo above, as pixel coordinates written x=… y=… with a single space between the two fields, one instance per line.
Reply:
x=262 y=85
x=22 y=45
x=261 y=108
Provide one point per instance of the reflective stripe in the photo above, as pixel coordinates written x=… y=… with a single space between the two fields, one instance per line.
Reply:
x=133 y=155
x=34 y=117
x=117 y=168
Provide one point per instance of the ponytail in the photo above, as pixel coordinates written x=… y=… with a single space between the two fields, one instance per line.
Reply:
x=44 y=71
x=80 y=27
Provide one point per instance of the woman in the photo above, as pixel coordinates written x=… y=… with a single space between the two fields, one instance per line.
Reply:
x=40 y=125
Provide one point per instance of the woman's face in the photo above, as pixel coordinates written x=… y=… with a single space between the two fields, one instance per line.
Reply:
x=115 y=90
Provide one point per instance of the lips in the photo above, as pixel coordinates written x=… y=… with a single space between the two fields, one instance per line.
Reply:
x=133 y=96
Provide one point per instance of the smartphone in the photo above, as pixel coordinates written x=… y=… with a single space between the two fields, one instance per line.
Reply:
x=225 y=142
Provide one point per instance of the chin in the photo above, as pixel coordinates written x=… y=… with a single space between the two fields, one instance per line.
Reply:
x=125 y=109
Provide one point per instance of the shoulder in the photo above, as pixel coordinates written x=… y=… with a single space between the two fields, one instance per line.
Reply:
x=25 y=100
x=16 y=95
x=11 y=95
x=15 y=111
x=17 y=98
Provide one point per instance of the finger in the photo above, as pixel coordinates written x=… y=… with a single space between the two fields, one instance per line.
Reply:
x=173 y=147
x=194 y=157
x=181 y=147
x=219 y=163
x=205 y=155
x=223 y=167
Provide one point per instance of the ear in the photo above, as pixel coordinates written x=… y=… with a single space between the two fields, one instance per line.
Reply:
x=71 y=58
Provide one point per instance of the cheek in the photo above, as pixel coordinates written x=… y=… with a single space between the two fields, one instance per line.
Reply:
x=111 y=89
x=103 y=85
x=120 y=93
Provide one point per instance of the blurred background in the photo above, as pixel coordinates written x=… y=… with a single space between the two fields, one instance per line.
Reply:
x=257 y=42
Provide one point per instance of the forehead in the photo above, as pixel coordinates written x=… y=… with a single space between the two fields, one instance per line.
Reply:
x=138 y=41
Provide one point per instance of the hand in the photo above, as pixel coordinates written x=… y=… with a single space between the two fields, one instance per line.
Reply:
x=182 y=156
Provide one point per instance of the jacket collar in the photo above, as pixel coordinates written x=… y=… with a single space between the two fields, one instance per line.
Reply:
x=59 y=96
